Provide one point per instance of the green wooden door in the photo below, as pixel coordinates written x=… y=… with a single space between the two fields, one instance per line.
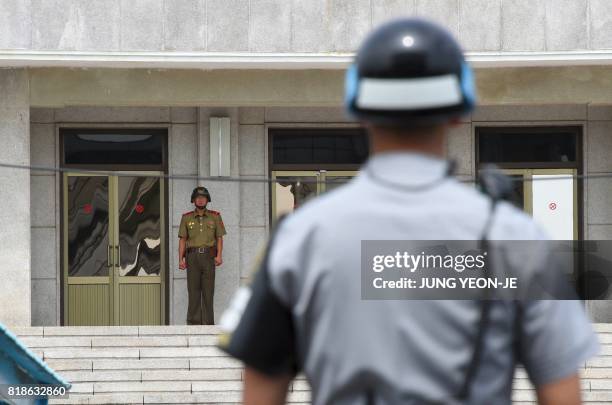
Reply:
x=113 y=249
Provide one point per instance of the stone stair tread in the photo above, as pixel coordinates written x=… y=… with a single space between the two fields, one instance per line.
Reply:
x=56 y=341
x=140 y=341
x=233 y=397
x=180 y=330
x=215 y=362
x=189 y=352
x=142 y=386
x=115 y=398
x=106 y=375
x=603 y=327
x=90 y=330
x=91 y=353
x=601 y=361
x=192 y=375
x=153 y=330
x=70 y=364
x=140 y=364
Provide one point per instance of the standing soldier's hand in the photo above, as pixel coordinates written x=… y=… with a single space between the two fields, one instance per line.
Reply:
x=218 y=261
x=182 y=264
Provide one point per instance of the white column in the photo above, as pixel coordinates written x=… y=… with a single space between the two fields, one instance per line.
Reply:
x=15 y=288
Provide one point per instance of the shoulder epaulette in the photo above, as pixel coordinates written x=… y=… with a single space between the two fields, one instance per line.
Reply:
x=214 y=212
x=187 y=213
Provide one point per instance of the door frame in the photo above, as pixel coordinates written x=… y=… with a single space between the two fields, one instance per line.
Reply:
x=114 y=279
x=163 y=168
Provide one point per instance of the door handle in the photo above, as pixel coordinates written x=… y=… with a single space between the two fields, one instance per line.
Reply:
x=108 y=257
x=118 y=257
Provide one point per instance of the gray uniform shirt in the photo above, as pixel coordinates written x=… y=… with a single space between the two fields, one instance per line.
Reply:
x=410 y=348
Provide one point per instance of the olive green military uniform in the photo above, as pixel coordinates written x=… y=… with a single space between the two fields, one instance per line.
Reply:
x=201 y=231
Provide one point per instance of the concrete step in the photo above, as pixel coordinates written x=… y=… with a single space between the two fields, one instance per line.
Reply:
x=192 y=330
x=212 y=397
x=181 y=364
x=119 y=341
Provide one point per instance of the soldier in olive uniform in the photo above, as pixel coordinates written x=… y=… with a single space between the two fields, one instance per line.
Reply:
x=200 y=250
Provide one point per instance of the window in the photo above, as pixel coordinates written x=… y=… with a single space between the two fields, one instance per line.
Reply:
x=113 y=146
x=305 y=163
x=541 y=145
x=543 y=163
x=318 y=148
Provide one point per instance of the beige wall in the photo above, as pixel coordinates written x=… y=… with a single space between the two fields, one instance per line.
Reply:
x=56 y=87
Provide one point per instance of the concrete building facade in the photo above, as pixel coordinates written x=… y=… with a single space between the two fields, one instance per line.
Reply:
x=265 y=65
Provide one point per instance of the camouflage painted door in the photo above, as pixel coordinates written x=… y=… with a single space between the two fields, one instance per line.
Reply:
x=113 y=258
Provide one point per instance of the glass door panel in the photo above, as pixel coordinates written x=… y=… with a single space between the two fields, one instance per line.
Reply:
x=139 y=227
x=88 y=255
x=334 y=179
x=138 y=267
x=88 y=226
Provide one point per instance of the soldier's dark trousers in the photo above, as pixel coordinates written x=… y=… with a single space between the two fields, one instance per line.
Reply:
x=200 y=288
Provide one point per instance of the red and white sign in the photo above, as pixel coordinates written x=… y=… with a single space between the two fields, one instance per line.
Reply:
x=553 y=204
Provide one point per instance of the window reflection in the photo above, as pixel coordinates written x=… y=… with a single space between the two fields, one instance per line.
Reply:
x=87 y=226
x=291 y=192
x=139 y=226
x=333 y=182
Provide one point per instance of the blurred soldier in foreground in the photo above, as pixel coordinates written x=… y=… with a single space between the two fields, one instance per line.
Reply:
x=304 y=310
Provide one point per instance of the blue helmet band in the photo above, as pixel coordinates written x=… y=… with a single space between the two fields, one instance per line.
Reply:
x=410 y=95
x=468 y=85
x=351 y=83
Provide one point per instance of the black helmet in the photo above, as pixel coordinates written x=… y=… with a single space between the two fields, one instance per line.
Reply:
x=200 y=191
x=409 y=72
